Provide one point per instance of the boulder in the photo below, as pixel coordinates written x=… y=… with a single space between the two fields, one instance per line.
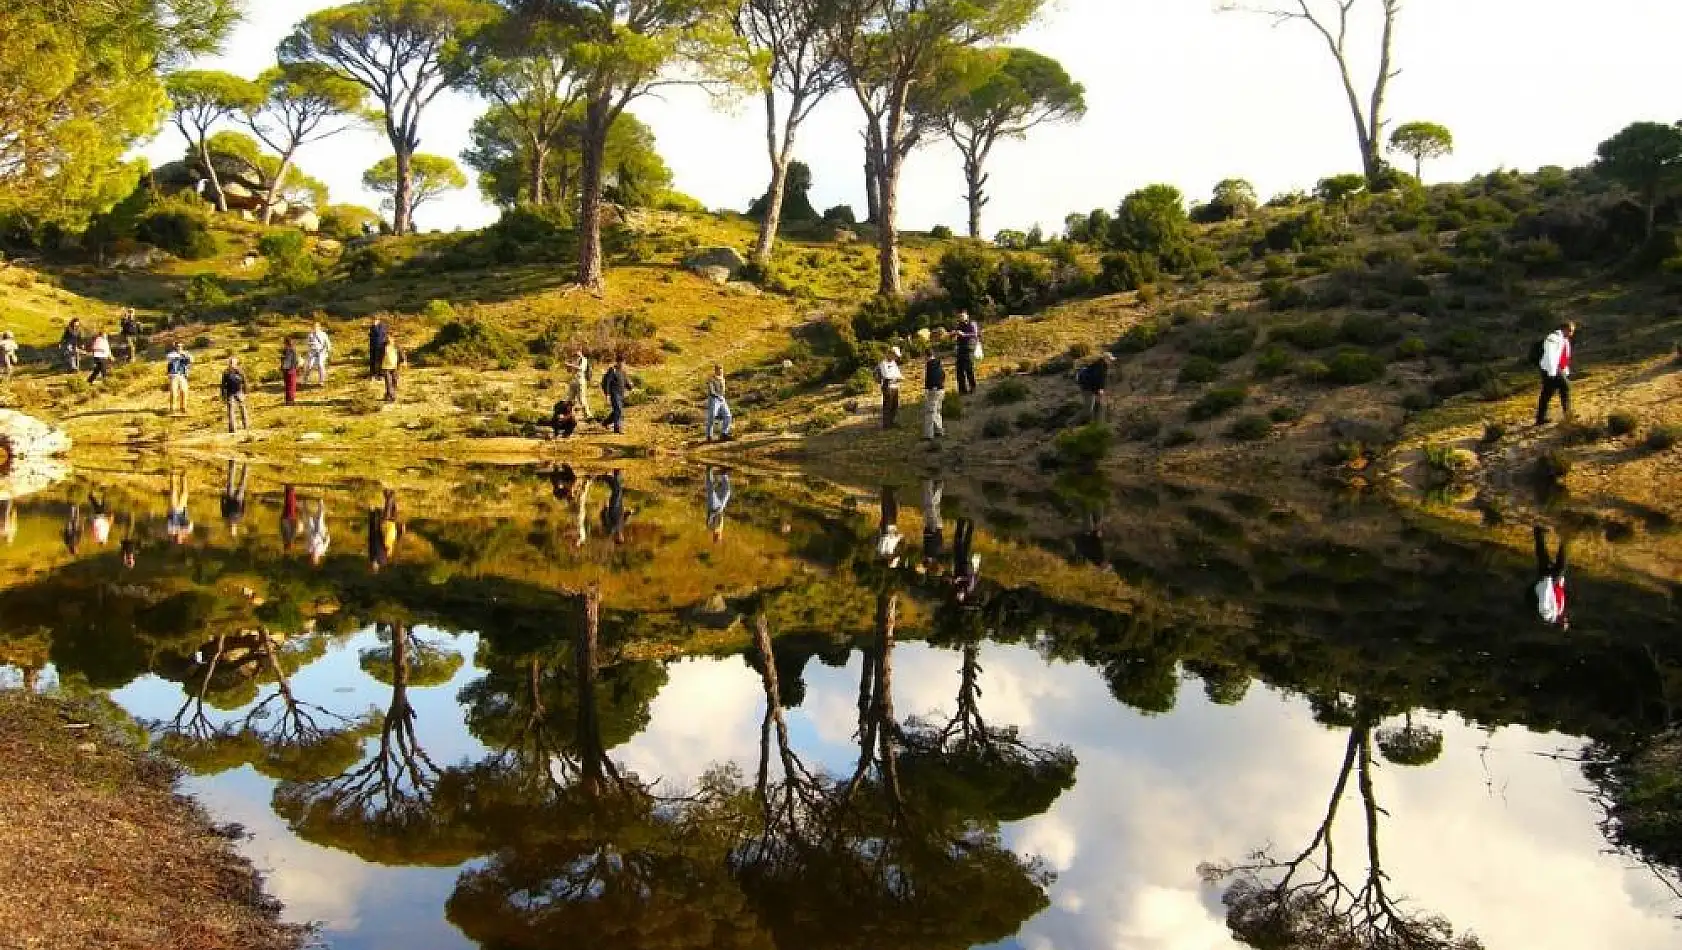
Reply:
x=304 y=220
x=23 y=437
x=718 y=275
x=845 y=237
x=139 y=260
x=328 y=246
x=708 y=257
x=743 y=288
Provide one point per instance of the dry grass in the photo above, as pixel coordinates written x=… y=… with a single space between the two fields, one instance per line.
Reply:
x=97 y=851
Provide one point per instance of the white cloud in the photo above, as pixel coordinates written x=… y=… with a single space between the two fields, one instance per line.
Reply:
x=1177 y=93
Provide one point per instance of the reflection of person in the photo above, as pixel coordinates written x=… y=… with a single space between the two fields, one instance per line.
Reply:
x=316 y=538
x=584 y=512
x=179 y=524
x=73 y=530
x=8 y=521
x=384 y=531
x=888 y=538
x=966 y=564
x=614 y=514
x=1550 y=581
x=561 y=483
x=288 y=518
x=130 y=546
x=233 y=498
x=718 y=497
x=1089 y=544
x=934 y=527
x=100 y=519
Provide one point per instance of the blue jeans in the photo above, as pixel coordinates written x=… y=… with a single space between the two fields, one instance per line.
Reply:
x=718 y=412
x=616 y=414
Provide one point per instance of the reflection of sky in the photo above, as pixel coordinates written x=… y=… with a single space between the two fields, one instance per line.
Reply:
x=1495 y=837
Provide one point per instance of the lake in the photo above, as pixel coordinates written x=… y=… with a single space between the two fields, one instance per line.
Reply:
x=661 y=705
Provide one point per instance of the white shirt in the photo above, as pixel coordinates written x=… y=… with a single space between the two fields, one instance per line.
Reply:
x=888 y=372
x=1554 y=350
x=101 y=528
x=101 y=348
x=319 y=342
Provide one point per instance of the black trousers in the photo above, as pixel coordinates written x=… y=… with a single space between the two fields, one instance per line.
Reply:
x=966 y=374
x=101 y=369
x=1550 y=386
x=890 y=406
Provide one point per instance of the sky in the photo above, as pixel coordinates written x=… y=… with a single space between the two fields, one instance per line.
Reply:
x=1176 y=91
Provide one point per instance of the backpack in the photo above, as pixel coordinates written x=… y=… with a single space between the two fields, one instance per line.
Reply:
x=607 y=381
x=1087 y=376
x=1538 y=350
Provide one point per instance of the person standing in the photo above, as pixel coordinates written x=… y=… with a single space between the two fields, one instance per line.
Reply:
x=233 y=394
x=378 y=336
x=318 y=346
x=100 y=352
x=70 y=345
x=934 y=395
x=615 y=385
x=178 y=362
x=718 y=408
x=969 y=350
x=132 y=332
x=578 y=388
x=1094 y=382
x=8 y=355
x=1550 y=581
x=718 y=498
x=1556 y=371
x=889 y=376
x=391 y=360
x=289 y=365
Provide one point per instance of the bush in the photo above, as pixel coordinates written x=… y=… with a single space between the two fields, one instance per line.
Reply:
x=471 y=343
x=344 y=222
x=1216 y=402
x=1278 y=266
x=1079 y=351
x=1553 y=467
x=841 y=216
x=1365 y=329
x=965 y=273
x=940 y=232
x=1222 y=344
x=531 y=234
x=1178 y=438
x=881 y=318
x=478 y=400
x=996 y=427
x=1198 y=370
x=1310 y=229
x=1314 y=335
x=951 y=406
x=1084 y=447
x=369 y=262
x=1622 y=423
x=1138 y=338
x=1273 y=362
x=181 y=232
x=1252 y=428
x=291 y=268
x=1284 y=414
x=1139 y=425
x=438 y=311
x=1353 y=367
x=1412 y=348
x=1007 y=392
x=1663 y=438
x=1282 y=294
x=1127 y=270
x=1493 y=432
x=1313 y=371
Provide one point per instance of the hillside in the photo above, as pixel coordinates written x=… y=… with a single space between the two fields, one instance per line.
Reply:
x=1305 y=336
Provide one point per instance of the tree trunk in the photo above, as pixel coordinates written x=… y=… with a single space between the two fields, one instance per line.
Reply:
x=273 y=194
x=773 y=212
x=216 y=193
x=975 y=194
x=1419 y=169
x=596 y=123
x=887 y=231
x=539 y=168
x=872 y=177
x=402 y=201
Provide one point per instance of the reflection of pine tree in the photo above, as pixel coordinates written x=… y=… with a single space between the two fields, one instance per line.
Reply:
x=1305 y=902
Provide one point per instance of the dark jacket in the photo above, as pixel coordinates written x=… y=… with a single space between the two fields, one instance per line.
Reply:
x=614 y=382
x=288 y=359
x=934 y=375
x=1096 y=376
x=233 y=383
x=378 y=335
x=969 y=337
x=131 y=326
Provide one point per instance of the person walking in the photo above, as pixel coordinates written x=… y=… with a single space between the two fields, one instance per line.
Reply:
x=318 y=347
x=391 y=360
x=289 y=366
x=718 y=408
x=578 y=388
x=564 y=420
x=8 y=355
x=378 y=336
x=1555 y=365
x=934 y=395
x=132 y=332
x=178 y=361
x=1550 y=581
x=70 y=345
x=1094 y=382
x=100 y=352
x=233 y=394
x=888 y=377
x=616 y=384
x=718 y=498
x=969 y=350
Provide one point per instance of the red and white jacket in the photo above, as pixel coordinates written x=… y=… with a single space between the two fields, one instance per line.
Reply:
x=1556 y=354
x=1550 y=599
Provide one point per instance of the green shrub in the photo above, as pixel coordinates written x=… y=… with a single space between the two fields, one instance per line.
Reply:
x=205 y=293
x=1079 y=351
x=1007 y=392
x=1198 y=370
x=1662 y=438
x=471 y=343
x=1273 y=362
x=940 y=232
x=881 y=318
x=1277 y=265
x=1418 y=401
x=1127 y=270
x=1138 y=338
x=1139 y=425
x=1313 y=371
x=1365 y=329
x=1251 y=428
x=1310 y=229
x=364 y=404
x=1621 y=424
x=1284 y=414
x=1216 y=402
x=951 y=405
x=478 y=400
x=1222 y=344
x=1179 y=437
x=996 y=427
x=1352 y=367
x=1412 y=348
x=438 y=311
x=1084 y=447
x=1313 y=335
x=181 y=232
x=1283 y=294
x=291 y=268
x=370 y=262
x=1493 y=432
x=1553 y=467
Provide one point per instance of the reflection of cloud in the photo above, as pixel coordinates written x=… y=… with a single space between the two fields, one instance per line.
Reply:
x=707 y=714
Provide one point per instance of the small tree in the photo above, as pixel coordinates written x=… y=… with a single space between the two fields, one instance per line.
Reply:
x=1151 y=221
x=404 y=52
x=429 y=177
x=983 y=96
x=527 y=69
x=1338 y=189
x=297 y=108
x=200 y=100
x=797 y=197
x=1646 y=158
x=1422 y=140
x=1233 y=198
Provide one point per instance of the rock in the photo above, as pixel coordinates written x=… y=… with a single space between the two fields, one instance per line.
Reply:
x=845 y=237
x=744 y=288
x=328 y=246
x=139 y=259
x=1463 y=461
x=706 y=258
x=305 y=220
x=23 y=437
x=27 y=476
x=718 y=275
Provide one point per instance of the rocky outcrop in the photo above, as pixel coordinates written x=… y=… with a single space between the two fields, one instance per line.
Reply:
x=708 y=260
x=25 y=437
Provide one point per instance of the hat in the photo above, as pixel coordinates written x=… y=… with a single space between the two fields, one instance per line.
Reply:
x=1110 y=357
x=896 y=352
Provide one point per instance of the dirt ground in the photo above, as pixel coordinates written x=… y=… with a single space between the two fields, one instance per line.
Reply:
x=97 y=852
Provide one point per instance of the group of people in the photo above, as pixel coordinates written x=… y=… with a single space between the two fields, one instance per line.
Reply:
x=617 y=386
x=964 y=578
x=890 y=378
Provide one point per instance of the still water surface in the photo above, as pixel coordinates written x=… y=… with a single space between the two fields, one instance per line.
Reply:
x=931 y=716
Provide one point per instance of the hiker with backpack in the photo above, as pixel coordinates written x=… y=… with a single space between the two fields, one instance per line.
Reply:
x=718 y=408
x=132 y=332
x=616 y=384
x=318 y=347
x=233 y=394
x=1550 y=580
x=178 y=362
x=888 y=377
x=1094 y=382
x=969 y=350
x=578 y=389
x=934 y=397
x=1553 y=358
